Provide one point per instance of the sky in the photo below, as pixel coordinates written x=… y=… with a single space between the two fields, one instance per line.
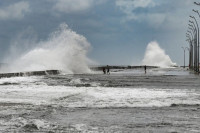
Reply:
x=118 y=30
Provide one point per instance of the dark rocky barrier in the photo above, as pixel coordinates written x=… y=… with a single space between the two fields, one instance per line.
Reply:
x=38 y=73
x=121 y=67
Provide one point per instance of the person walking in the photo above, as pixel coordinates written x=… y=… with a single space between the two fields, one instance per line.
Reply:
x=104 y=70
x=145 y=69
x=108 y=70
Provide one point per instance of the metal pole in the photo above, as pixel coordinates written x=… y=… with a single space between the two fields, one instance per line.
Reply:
x=190 y=52
x=195 y=42
x=198 y=35
x=190 y=55
x=184 y=56
x=191 y=41
x=192 y=46
x=197 y=47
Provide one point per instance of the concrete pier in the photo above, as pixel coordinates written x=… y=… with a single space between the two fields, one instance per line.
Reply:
x=32 y=73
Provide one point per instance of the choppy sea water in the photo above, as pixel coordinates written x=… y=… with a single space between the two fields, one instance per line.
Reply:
x=163 y=100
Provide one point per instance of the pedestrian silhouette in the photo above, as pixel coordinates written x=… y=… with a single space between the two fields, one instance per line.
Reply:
x=104 y=70
x=108 y=70
x=145 y=69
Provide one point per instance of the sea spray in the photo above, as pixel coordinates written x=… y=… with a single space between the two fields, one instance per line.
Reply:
x=156 y=56
x=64 y=50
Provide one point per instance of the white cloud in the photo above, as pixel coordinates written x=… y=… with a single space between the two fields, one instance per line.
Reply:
x=73 y=6
x=128 y=6
x=14 y=11
x=133 y=4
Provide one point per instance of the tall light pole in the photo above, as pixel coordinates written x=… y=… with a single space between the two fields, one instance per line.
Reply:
x=194 y=35
x=197 y=3
x=184 y=56
x=190 y=35
x=197 y=44
x=190 y=53
x=184 y=48
x=196 y=11
x=192 y=27
x=189 y=40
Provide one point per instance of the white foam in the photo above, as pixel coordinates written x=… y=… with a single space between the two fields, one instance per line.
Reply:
x=21 y=122
x=64 y=50
x=97 y=96
x=75 y=81
x=155 y=56
x=19 y=80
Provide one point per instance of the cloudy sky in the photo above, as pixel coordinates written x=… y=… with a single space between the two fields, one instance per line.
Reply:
x=118 y=30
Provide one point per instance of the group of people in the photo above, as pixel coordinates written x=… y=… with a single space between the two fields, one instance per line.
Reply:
x=106 y=70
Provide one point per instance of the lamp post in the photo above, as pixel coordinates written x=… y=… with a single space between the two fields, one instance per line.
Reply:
x=196 y=11
x=189 y=55
x=197 y=3
x=192 y=27
x=197 y=44
x=194 y=35
x=192 y=23
x=191 y=39
x=184 y=48
x=190 y=51
x=184 y=56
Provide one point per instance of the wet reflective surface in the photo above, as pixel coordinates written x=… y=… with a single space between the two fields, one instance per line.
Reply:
x=163 y=100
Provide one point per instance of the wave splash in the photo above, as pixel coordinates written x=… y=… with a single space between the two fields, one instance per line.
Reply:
x=65 y=50
x=156 y=56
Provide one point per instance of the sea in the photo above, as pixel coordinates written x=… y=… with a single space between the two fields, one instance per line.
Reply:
x=164 y=100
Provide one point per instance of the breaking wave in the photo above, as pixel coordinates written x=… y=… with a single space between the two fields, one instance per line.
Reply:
x=33 y=90
x=156 y=56
x=64 y=50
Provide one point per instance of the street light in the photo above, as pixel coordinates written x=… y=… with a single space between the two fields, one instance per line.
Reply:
x=195 y=28
x=197 y=44
x=196 y=11
x=190 y=40
x=191 y=26
x=187 y=35
x=191 y=34
x=184 y=48
x=197 y=3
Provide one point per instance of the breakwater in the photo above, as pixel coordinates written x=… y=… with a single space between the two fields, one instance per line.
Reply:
x=32 y=73
x=120 y=67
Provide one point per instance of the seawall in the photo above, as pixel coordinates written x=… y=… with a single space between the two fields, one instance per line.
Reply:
x=32 y=73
